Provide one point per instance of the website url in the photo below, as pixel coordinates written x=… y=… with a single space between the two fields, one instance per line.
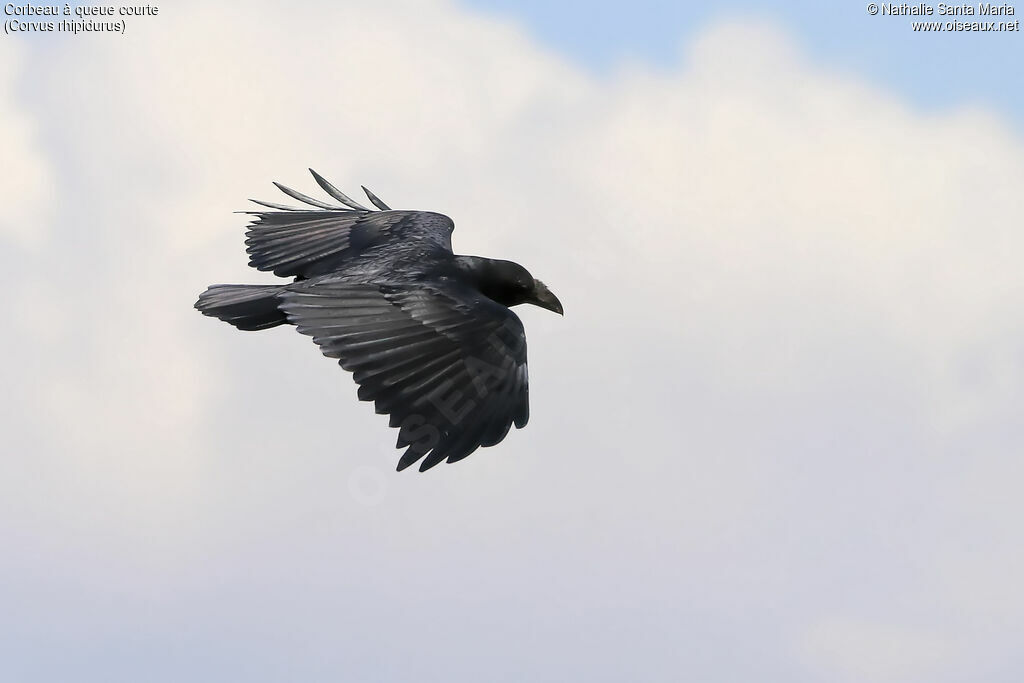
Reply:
x=955 y=26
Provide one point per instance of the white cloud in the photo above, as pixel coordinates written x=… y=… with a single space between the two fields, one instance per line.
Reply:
x=792 y=325
x=862 y=651
x=25 y=193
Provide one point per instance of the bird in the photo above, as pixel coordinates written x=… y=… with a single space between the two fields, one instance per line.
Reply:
x=428 y=335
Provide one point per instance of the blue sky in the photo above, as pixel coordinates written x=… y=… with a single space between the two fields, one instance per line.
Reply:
x=932 y=70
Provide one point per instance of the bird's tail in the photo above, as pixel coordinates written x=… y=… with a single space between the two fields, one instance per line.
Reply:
x=247 y=307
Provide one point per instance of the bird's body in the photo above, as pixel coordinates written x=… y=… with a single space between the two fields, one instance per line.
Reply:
x=427 y=334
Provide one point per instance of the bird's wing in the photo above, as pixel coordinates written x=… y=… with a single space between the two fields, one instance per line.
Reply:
x=304 y=243
x=446 y=363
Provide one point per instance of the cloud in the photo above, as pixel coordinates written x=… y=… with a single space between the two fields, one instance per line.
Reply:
x=792 y=330
x=860 y=651
x=25 y=192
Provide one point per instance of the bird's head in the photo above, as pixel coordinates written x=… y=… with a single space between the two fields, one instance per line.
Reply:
x=510 y=284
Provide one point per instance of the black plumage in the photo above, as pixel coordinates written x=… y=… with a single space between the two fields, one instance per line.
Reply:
x=428 y=335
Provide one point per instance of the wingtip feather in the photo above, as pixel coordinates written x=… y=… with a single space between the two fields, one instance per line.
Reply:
x=375 y=200
x=328 y=187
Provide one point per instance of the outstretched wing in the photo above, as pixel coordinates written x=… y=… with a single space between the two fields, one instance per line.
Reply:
x=302 y=243
x=446 y=363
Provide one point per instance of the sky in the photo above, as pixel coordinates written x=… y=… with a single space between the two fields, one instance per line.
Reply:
x=776 y=436
x=934 y=72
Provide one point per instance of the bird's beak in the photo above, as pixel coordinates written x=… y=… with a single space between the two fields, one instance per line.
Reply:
x=543 y=297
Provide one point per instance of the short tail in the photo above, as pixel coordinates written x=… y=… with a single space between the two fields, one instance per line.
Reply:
x=247 y=307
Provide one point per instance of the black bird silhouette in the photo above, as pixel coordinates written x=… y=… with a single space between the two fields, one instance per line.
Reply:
x=428 y=335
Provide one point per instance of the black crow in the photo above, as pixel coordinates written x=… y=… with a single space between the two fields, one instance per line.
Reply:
x=427 y=335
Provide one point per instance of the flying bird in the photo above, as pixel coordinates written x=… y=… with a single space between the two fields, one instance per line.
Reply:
x=428 y=335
